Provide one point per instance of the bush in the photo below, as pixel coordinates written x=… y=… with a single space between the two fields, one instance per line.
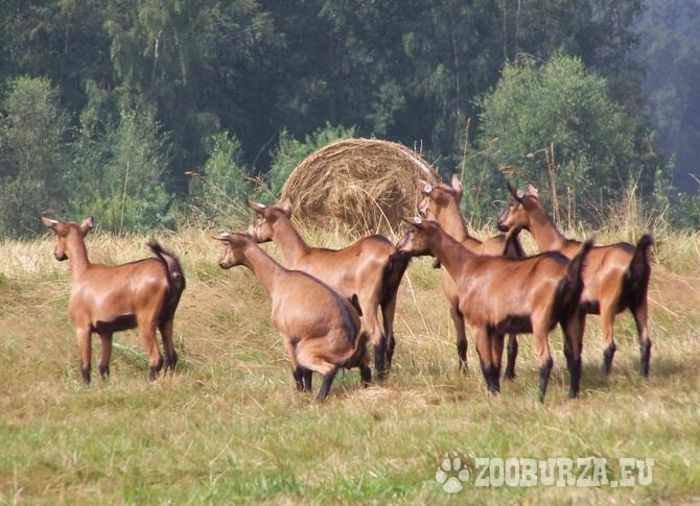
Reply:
x=32 y=160
x=595 y=141
x=219 y=192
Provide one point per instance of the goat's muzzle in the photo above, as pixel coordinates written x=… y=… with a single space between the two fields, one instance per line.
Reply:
x=501 y=223
x=60 y=256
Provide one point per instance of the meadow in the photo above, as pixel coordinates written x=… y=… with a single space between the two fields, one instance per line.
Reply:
x=229 y=426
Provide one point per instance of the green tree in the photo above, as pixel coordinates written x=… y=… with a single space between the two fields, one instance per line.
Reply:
x=220 y=190
x=32 y=161
x=121 y=183
x=559 y=102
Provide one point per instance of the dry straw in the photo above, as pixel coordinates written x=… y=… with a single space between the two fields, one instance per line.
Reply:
x=362 y=185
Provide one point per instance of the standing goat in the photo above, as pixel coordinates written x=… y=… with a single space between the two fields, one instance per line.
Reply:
x=616 y=276
x=110 y=298
x=321 y=330
x=498 y=295
x=369 y=269
x=441 y=203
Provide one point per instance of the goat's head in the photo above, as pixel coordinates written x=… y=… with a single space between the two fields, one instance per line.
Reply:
x=66 y=231
x=518 y=213
x=235 y=244
x=418 y=237
x=262 y=227
x=439 y=197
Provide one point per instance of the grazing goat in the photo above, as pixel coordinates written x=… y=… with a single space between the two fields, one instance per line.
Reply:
x=369 y=269
x=498 y=295
x=616 y=276
x=109 y=298
x=321 y=330
x=441 y=203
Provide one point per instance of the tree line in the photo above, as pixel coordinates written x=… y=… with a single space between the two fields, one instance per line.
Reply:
x=117 y=108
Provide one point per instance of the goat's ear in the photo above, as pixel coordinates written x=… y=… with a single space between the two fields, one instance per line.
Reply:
x=457 y=185
x=87 y=224
x=532 y=191
x=49 y=222
x=287 y=206
x=517 y=194
x=258 y=208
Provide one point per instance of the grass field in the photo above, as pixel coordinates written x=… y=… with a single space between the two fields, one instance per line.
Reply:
x=230 y=427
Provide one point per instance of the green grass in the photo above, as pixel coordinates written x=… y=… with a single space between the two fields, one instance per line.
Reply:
x=230 y=427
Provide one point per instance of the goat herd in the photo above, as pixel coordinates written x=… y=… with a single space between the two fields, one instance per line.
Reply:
x=326 y=302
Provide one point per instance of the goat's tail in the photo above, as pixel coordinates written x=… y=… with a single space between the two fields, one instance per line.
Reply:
x=570 y=288
x=392 y=274
x=638 y=272
x=176 y=278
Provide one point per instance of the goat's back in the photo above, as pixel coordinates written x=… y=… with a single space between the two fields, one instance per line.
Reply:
x=359 y=264
x=104 y=293
x=495 y=289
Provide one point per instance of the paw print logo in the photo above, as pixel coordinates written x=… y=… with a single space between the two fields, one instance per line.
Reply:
x=451 y=473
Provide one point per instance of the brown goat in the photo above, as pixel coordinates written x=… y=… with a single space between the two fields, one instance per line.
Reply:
x=498 y=295
x=616 y=277
x=441 y=203
x=110 y=298
x=369 y=269
x=321 y=330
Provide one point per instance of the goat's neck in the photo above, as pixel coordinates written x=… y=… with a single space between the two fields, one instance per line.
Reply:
x=265 y=269
x=454 y=224
x=451 y=254
x=289 y=241
x=77 y=255
x=545 y=233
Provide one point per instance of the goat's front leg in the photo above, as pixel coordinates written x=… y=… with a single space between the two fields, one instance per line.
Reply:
x=84 y=335
x=461 y=337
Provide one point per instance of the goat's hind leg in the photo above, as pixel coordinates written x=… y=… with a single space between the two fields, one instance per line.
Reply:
x=388 y=315
x=302 y=376
x=106 y=354
x=640 y=314
x=166 y=333
x=483 y=347
x=147 y=329
x=544 y=357
x=573 y=345
x=512 y=355
x=312 y=361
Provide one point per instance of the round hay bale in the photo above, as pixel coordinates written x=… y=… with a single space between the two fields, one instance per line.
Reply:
x=361 y=185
